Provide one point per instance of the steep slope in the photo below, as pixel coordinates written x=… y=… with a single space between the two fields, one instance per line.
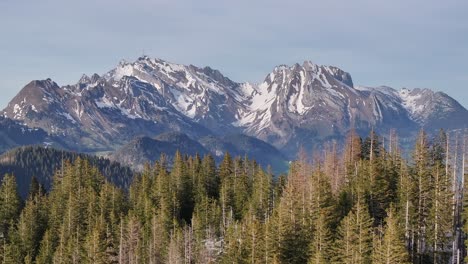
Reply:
x=299 y=105
x=202 y=94
x=433 y=110
x=305 y=104
x=99 y=115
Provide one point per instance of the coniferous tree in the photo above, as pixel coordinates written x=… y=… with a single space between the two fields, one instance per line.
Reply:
x=334 y=210
x=254 y=239
x=354 y=244
x=211 y=178
x=321 y=241
x=422 y=195
x=10 y=204
x=390 y=248
x=46 y=249
x=293 y=229
x=32 y=224
x=352 y=155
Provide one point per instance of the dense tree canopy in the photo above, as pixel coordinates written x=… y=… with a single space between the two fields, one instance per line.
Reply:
x=365 y=205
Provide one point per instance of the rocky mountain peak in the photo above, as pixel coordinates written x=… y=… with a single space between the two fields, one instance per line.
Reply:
x=293 y=105
x=311 y=72
x=85 y=79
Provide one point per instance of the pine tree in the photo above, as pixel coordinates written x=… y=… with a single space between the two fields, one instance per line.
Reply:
x=354 y=244
x=95 y=244
x=183 y=189
x=254 y=239
x=406 y=205
x=46 y=249
x=440 y=215
x=352 y=155
x=32 y=224
x=321 y=241
x=423 y=196
x=211 y=178
x=371 y=146
x=391 y=247
x=261 y=200
x=292 y=223
x=332 y=168
x=235 y=250
x=226 y=168
x=10 y=204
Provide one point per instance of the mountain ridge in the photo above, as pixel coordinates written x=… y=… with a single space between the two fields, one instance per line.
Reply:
x=295 y=106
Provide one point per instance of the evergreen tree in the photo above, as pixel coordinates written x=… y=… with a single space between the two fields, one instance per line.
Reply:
x=440 y=215
x=211 y=178
x=352 y=155
x=422 y=195
x=321 y=241
x=10 y=204
x=32 y=224
x=391 y=247
x=292 y=223
x=354 y=244
x=337 y=209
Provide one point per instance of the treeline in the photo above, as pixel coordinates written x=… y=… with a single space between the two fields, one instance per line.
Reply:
x=41 y=163
x=367 y=205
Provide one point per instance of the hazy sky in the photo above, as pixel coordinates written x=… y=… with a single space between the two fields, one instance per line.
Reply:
x=399 y=43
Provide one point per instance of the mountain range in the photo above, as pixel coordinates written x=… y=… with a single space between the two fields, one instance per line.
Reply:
x=151 y=106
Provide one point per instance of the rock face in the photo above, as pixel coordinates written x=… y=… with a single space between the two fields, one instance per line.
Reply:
x=299 y=105
x=99 y=114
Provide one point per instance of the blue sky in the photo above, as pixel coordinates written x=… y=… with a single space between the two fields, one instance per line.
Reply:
x=396 y=43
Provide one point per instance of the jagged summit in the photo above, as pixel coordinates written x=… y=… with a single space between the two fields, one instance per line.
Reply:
x=294 y=105
x=86 y=80
x=321 y=72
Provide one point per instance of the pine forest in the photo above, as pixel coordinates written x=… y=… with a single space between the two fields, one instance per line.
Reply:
x=365 y=202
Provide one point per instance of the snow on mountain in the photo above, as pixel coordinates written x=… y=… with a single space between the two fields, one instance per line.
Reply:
x=298 y=105
x=99 y=114
x=412 y=100
x=202 y=94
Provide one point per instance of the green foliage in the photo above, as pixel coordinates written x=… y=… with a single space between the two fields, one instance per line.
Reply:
x=41 y=163
x=10 y=204
x=390 y=248
x=335 y=210
x=354 y=243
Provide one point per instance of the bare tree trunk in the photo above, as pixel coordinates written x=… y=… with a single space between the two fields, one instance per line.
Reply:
x=455 y=201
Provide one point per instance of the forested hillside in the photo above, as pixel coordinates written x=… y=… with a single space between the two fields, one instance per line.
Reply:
x=41 y=163
x=367 y=205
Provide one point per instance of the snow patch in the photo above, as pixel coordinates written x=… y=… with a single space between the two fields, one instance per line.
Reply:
x=69 y=117
x=123 y=70
x=410 y=101
x=104 y=102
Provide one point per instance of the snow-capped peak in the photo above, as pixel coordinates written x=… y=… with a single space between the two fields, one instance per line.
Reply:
x=292 y=103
